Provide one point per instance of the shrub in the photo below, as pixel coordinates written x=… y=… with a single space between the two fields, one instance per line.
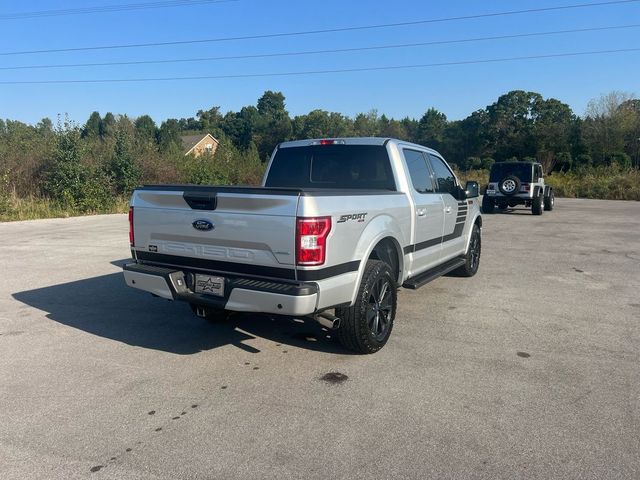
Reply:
x=228 y=167
x=611 y=183
x=72 y=183
x=122 y=168
x=5 y=195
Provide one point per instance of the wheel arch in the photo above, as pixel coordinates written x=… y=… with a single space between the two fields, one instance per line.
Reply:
x=382 y=237
x=389 y=251
x=476 y=221
x=536 y=191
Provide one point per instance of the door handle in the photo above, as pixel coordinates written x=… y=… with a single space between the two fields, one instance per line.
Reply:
x=421 y=212
x=447 y=209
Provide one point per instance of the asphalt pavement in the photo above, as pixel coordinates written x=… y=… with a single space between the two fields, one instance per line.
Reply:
x=530 y=369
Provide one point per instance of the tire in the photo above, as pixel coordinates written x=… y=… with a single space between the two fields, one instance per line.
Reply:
x=537 y=204
x=362 y=328
x=509 y=185
x=488 y=205
x=472 y=257
x=549 y=201
x=211 y=315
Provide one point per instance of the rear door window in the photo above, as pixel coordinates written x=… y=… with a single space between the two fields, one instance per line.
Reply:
x=418 y=171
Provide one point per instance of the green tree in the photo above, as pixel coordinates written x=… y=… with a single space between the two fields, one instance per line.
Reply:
x=93 y=127
x=366 y=124
x=392 y=128
x=410 y=125
x=552 y=130
x=274 y=124
x=241 y=126
x=606 y=125
x=210 y=120
x=487 y=162
x=122 y=168
x=70 y=181
x=564 y=161
x=146 y=128
x=431 y=128
x=169 y=136
x=510 y=124
x=108 y=125
x=45 y=127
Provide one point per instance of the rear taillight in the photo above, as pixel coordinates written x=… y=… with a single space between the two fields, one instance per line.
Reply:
x=311 y=240
x=525 y=187
x=132 y=240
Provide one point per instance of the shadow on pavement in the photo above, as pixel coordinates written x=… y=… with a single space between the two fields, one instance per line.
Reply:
x=512 y=211
x=106 y=307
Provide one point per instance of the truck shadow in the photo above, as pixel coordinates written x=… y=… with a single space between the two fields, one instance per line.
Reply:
x=106 y=307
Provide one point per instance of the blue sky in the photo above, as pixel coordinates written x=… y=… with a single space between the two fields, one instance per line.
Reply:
x=455 y=90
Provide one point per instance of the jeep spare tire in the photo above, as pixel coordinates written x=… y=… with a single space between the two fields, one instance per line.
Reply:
x=509 y=185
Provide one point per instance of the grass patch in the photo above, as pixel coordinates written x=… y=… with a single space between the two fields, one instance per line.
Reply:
x=32 y=208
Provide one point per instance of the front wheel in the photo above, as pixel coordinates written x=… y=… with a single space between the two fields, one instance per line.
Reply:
x=537 y=205
x=366 y=326
x=549 y=201
x=472 y=257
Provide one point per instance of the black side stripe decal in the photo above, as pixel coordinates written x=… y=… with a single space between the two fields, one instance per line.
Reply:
x=457 y=232
x=311 y=275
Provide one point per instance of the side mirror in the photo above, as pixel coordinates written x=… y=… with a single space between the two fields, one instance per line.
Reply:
x=472 y=189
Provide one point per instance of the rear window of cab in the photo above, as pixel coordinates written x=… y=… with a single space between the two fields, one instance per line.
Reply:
x=359 y=167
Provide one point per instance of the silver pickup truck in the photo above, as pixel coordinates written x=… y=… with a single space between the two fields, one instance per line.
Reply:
x=336 y=227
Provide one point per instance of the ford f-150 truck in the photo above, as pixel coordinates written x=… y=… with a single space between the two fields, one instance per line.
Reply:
x=336 y=228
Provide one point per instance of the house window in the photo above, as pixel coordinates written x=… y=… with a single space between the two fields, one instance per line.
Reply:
x=209 y=146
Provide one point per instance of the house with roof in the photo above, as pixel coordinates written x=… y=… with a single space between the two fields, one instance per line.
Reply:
x=202 y=144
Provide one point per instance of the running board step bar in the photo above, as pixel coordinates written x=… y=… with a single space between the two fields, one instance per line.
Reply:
x=422 y=279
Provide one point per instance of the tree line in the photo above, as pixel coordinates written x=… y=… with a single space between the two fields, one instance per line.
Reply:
x=86 y=166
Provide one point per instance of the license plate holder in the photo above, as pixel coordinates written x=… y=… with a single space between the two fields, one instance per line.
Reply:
x=209 y=285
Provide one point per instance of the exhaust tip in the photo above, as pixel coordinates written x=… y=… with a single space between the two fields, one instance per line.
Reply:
x=328 y=321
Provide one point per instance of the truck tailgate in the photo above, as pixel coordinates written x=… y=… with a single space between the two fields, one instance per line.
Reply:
x=217 y=228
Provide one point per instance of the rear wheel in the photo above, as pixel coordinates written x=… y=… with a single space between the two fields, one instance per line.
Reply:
x=537 y=205
x=549 y=201
x=366 y=326
x=472 y=257
x=488 y=205
x=210 y=314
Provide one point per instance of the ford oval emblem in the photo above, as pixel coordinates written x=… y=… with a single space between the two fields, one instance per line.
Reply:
x=203 y=225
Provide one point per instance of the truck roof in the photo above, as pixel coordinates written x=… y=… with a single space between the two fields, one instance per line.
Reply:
x=354 y=141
